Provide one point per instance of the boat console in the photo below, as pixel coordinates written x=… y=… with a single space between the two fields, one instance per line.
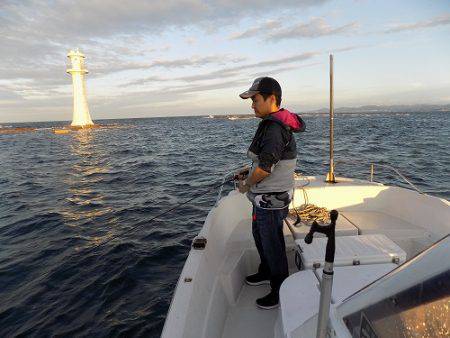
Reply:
x=376 y=297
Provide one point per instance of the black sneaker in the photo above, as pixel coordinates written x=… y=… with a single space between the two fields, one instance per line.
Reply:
x=269 y=301
x=257 y=279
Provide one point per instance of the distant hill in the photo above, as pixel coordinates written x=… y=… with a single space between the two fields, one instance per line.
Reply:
x=419 y=108
x=368 y=109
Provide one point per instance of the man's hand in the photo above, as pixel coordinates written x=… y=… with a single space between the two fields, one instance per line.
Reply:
x=257 y=176
x=243 y=187
x=242 y=173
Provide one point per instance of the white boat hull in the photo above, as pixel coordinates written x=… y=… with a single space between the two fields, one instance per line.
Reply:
x=211 y=299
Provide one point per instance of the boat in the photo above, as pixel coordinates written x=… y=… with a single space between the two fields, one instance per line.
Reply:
x=389 y=274
x=240 y=117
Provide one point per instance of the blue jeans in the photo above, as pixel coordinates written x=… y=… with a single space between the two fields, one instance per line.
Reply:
x=267 y=228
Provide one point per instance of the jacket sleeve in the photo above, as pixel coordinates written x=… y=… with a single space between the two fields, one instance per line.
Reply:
x=272 y=146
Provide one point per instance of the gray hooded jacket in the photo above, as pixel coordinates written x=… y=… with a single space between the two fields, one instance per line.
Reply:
x=274 y=150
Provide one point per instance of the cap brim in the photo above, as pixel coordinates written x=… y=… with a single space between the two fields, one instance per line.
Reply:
x=248 y=94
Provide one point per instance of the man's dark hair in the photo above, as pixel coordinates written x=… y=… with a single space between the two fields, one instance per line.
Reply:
x=277 y=97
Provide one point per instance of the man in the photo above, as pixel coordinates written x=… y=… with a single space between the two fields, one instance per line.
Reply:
x=269 y=184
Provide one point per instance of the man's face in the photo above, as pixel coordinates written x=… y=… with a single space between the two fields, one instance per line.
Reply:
x=261 y=107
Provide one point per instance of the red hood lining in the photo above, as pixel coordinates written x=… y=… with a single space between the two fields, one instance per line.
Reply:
x=287 y=118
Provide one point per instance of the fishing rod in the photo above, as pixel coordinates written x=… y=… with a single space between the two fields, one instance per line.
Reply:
x=234 y=178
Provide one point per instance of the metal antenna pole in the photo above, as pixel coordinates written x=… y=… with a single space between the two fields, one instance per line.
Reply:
x=330 y=175
x=326 y=286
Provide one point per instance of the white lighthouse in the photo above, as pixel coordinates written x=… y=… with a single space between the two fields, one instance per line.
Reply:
x=81 y=117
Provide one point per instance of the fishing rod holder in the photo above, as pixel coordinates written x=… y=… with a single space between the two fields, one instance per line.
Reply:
x=326 y=285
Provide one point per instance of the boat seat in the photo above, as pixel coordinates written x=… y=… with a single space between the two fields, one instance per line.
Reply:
x=343 y=228
x=299 y=293
x=412 y=238
x=375 y=222
x=351 y=250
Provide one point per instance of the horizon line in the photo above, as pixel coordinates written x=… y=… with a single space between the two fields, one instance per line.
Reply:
x=321 y=111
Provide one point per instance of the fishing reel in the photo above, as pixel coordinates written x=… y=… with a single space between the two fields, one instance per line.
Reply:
x=242 y=175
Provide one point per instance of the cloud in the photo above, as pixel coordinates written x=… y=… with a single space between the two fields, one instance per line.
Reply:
x=146 y=80
x=316 y=27
x=136 y=102
x=191 y=40
x=145 y=101
x=288 y=59
x=228 y=71
x=6 y=95
x=279 y=70
x=87 y=18
x=274 y=31
x=196 y=61
x=440 y=20
x=117 y=65
x=207 y=87
x=36 y=35
x=348 y=48
x=221 y=73
x=257 y=30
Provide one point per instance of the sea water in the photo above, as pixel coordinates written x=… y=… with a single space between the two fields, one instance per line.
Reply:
x=78 y=254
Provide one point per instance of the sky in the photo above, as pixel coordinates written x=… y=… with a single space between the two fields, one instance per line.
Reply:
x=192 y=57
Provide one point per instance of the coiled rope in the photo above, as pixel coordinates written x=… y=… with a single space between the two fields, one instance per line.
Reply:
x=308 y=212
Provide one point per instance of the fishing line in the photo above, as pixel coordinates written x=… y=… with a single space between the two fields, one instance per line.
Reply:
x=89 y=249
x=163 y=213
x=233 y=178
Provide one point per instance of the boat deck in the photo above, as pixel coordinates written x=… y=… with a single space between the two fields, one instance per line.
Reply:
x=246 y=320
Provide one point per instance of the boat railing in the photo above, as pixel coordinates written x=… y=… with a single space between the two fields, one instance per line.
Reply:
x=387 y=166
x=371 y=178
